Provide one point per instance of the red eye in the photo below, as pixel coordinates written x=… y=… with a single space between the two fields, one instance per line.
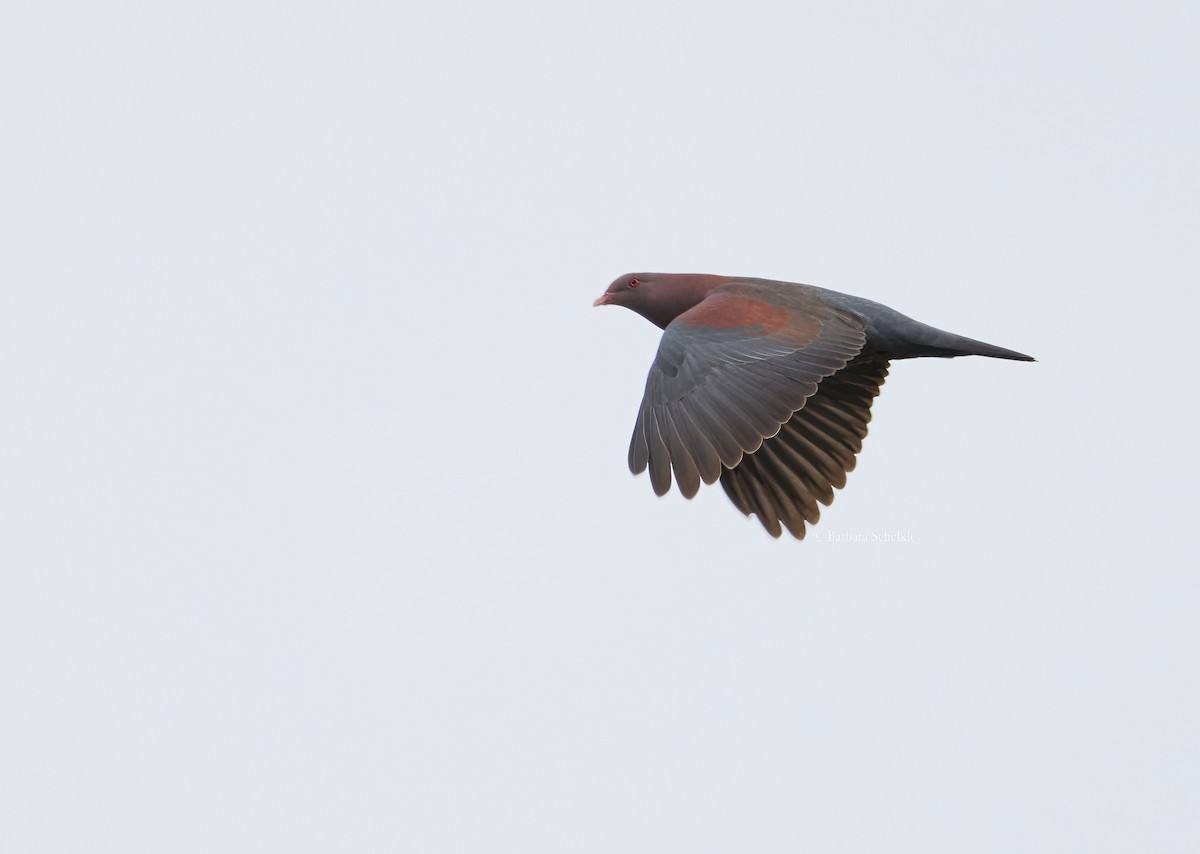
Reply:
x=633 y=283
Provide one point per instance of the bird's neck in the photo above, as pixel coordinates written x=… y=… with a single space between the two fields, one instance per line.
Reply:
x=676 y=294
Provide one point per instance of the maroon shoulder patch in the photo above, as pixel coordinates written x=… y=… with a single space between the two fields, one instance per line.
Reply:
x=732 y=311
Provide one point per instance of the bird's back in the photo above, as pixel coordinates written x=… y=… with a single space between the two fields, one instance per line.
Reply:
x=897 y=336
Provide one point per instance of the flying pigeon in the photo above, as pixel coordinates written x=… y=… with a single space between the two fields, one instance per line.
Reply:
x=766 y=385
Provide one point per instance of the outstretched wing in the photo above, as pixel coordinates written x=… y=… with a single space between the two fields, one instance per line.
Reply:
x=729 y=373
x=801 y=465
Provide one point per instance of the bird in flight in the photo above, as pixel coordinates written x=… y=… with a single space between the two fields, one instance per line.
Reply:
x=766 y=386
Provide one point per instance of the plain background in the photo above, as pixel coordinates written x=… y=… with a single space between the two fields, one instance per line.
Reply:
x=317 y=533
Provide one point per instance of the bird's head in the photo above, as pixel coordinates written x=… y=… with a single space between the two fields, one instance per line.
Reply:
x=659 y=297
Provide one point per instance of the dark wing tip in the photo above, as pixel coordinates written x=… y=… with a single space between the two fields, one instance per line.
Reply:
x=799 y=467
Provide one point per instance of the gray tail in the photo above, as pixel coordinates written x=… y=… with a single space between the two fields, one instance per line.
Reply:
x=948 y=345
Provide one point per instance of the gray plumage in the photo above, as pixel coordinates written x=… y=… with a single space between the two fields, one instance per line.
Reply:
x=766 y=386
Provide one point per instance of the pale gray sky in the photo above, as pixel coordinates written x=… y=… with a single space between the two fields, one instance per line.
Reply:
x=317 y=533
